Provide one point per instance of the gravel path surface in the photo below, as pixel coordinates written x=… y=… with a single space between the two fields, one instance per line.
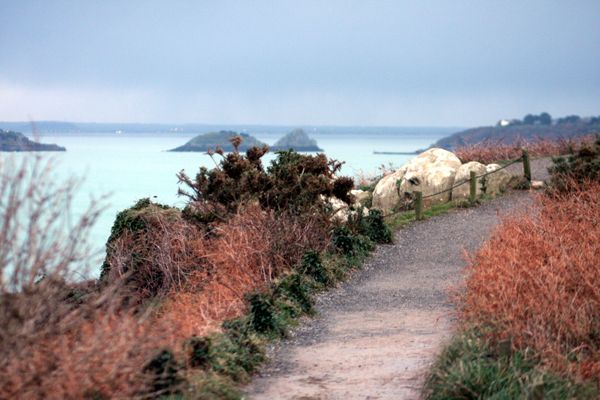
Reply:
x=539 y=169
x=375 y=336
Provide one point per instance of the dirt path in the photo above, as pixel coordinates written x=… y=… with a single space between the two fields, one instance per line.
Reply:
x=375 y=336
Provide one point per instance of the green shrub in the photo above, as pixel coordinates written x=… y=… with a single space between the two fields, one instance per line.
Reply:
x=198 y=349
x=577 y=168
x=237 y=352
x=374 y=227
x=163 y=371
x=263 y=314
x=349 y=244
x=296 y=288
x=233 y=354
x=130 y=218
x=212 y=386
x=313 y=267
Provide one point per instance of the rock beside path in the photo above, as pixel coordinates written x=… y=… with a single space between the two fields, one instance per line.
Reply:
x=463 y=175
x=430 y=172
x=436 y=173
x=386 y=194
x=497 y=182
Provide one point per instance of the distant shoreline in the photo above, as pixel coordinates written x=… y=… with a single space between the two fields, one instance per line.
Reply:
x=49 y=127
x=399 y=153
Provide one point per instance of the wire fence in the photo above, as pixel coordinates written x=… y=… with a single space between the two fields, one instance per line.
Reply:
x=408 y=205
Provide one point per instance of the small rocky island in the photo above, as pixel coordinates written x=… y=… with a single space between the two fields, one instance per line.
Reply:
x=221 y=139
x=15 y=141
x=297 y=140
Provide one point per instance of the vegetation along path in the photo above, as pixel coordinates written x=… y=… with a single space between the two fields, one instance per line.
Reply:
x=376 y=335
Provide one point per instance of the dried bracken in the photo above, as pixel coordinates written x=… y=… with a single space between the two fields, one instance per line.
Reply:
x=59 y=339
x=493 y=151
x=244 y=255
x=536 y=283
x=168 y=276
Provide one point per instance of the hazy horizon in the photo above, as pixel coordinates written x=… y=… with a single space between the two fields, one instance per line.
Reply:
x=335 y=63
x=224 y=124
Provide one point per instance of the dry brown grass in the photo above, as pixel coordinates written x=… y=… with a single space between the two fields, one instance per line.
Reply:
x=246 y=254
x=493 y=151
x=159 y=259
x=166 y=283
x=101 y=354
x=58 y=339
x=537 y=282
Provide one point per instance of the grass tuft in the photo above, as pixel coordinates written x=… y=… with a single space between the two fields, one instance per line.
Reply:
x=473 y=368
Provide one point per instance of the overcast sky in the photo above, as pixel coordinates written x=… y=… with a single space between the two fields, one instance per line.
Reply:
x=428 y=63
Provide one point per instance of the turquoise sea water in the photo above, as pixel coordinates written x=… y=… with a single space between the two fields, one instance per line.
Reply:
x=131 y=166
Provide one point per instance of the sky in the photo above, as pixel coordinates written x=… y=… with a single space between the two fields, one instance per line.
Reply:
x=367 y=63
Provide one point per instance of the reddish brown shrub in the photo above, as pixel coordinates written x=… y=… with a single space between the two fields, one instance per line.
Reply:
x=245 y=254
x=159 y=258
x=493 y=151
x=64 y=340
x=537 y=282
x=103 y=356
x=60 y=339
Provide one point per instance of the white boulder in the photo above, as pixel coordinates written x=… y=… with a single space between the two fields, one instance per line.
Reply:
x=341 y=210
x=385 y=195
x=360 y=195
x=463 y=175
x=537 y=185
x=430 y=172
x=498 y=181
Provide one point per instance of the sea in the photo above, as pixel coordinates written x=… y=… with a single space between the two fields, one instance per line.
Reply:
x=121 y=167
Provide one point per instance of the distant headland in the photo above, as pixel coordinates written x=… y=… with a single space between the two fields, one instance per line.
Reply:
x=15 y=141
x=297 y=140
x=221 y=139
x=531 y=127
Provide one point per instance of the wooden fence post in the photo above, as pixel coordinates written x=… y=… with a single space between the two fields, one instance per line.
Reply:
x=526 y=165
x=473 y=187
x=419 y=206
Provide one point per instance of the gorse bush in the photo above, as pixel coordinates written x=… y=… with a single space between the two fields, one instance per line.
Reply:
x=298 y=182
x=293 y=183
